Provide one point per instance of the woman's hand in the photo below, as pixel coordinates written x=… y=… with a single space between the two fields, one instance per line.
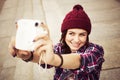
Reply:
x=24 y=55
x=44 y=46
x=17 y=53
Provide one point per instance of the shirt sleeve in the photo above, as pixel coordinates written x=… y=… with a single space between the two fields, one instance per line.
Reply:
x=92 y=59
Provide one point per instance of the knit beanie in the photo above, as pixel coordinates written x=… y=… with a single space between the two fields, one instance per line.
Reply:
x=77 y=18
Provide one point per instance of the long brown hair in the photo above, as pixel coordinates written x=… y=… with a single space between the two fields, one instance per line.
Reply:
x=65 y=47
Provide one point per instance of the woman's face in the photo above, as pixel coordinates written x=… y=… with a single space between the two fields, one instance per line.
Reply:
x=76 y=38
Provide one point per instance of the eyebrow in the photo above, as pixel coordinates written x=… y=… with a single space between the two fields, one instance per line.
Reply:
x=79 y=33
x=83 y=33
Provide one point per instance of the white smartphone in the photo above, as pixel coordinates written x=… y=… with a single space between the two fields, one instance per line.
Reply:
x=27 y=30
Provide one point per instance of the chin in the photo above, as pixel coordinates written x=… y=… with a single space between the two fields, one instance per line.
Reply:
x=74 y=49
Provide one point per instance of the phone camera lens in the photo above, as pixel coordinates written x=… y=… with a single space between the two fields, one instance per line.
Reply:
x=36 y=24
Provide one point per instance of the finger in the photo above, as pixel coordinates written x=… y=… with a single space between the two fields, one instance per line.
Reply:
x=11 y=47
x=45 y=35
x=16 y=25
x=46 y=29
x=41 y=50
x=14 y=54
x=23 y=54
x=44 y=26
x=39 y=44
x=11 y=43
x=41 y=36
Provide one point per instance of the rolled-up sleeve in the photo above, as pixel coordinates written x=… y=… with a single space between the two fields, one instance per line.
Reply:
x=92 y=59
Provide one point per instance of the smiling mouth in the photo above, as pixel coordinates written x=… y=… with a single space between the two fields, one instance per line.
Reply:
x=75 y=45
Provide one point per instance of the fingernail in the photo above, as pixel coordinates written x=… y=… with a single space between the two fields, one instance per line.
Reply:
x=42 y=23
x=15 y=22
x=33 y=41
x=32 y=51
x=14 y=48
x=14 y=55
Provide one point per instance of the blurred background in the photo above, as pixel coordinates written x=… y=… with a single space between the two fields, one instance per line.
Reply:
x=105 y=18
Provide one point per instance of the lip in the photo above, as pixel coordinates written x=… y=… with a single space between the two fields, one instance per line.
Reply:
x=75 y=45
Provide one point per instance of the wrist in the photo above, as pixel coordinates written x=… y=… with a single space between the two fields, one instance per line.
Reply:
x=57 y=60
x=61 y=60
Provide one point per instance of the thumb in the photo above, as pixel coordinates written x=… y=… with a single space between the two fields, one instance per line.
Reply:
x=41 y=36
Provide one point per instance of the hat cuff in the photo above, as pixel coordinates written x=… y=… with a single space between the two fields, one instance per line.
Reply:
x=76 y=24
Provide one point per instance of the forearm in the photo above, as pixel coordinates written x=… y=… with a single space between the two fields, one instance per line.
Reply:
x=70 y=61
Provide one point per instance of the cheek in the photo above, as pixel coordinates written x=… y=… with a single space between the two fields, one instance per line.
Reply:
x=68 y=38
x=83 y=39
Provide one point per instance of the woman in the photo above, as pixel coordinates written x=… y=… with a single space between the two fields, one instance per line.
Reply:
x=74 y=58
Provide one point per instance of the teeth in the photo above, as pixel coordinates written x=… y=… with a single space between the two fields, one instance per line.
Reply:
x=75 y=45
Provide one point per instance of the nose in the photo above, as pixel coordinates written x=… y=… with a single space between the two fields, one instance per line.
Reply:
x=76 y=38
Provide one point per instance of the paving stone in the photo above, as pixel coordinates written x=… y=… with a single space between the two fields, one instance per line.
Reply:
x=112 y=74
x=38 y=12
x=23 y=71
x=8 y=28
x=3 y=49
x=7 y=74
x=1 y=4
x=8 y=14
x=9 y=4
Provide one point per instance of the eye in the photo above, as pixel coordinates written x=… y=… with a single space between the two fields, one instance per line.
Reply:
x=82 y=34
x=71 y=33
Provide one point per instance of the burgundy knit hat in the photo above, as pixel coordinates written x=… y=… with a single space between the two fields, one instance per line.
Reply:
x=77 y=18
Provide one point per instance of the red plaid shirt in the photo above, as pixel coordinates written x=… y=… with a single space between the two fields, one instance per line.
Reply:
x=91 y=63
